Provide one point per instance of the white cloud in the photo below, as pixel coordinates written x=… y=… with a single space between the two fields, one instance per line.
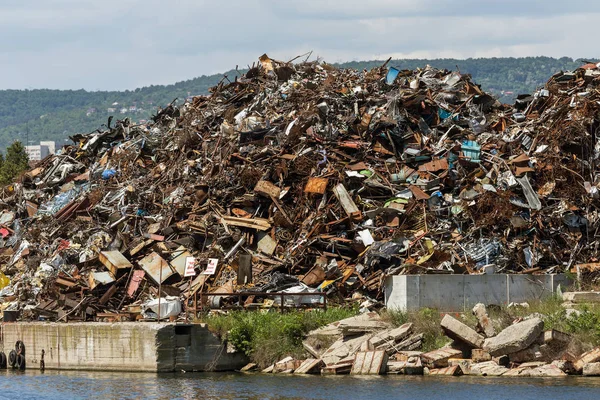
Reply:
x=123 y=44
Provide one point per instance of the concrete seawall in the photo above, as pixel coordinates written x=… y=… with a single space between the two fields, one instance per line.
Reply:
x=456 y=293
x=125 y=346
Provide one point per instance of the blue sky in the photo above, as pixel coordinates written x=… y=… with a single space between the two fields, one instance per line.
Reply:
x=124 y=44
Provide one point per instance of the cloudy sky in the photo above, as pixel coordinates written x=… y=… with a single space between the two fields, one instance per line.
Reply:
x=124 y=44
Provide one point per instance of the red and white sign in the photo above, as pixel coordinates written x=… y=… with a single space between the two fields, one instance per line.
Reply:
x=211 y=268
x=190 y=264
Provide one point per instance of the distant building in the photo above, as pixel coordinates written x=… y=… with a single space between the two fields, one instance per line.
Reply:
x=132 y=108
x=123 y=110
x=50 y=144
x=40 y=151
x=111 y=110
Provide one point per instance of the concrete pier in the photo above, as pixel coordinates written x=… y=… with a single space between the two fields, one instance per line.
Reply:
x=124 y=346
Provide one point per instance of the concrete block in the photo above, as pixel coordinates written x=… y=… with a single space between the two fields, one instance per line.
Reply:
x=456 y=330
x=591 y=356
x=532 y=353
x=454 y=370
x=439 y=358
x=480 y=355
x=582 y=297
x=463 y=363
x=488 y=368
x=591 y=369
x=515 y=338
x=565 y=366
x=484 y=321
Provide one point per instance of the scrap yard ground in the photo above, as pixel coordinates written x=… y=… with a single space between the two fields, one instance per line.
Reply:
x=297 y=183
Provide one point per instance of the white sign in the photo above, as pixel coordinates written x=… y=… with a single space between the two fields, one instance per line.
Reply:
x=190 y=263
x=211 y=268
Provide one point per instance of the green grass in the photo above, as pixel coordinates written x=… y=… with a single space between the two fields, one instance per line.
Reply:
x=425 y=321
x=268 y=337
x=584 y=326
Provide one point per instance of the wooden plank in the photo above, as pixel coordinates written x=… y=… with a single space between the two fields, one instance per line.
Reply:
x=346 y=201
x=256 y=223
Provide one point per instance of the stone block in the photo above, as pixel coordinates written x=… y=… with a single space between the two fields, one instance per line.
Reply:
x=439 y=358
x=480 y=355
x=515 y=338
x=456 y=330
x=591 y=369
x=483 y=319
x=582 y=297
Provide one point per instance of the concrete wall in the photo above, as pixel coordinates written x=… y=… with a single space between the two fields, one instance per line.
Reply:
x=149 y=347
x=456 y=293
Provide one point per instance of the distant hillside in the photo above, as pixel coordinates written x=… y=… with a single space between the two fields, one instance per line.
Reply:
x=42 y=114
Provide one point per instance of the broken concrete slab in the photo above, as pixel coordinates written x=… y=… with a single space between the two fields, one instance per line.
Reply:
x=310 y=366
x=454 y=370
x=565 y=366
x=366 y=322
x=582 y=297
x=488 y=368
x=591 y=369
x=483 y=320
x=463 y=363
x=388 y=338
x=591 y=356
x=369 y=363
x=480 y=355
x=534 y=352
x=439 y=358
x=538 y=371
x=412 y=343
x=456 y=330
x=515 y=338
x=249 y=367
x=342 y=348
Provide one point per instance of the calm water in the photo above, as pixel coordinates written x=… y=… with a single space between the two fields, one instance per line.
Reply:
x=95 y=385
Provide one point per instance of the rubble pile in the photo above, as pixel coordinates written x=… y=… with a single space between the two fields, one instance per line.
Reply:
x=367 y=345
x=302 y=178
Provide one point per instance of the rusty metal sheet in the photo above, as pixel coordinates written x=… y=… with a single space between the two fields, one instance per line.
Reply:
x=136 y=279
x=435 y=165
x=100 y=278
x=179 y=261
x=418 y=193
x=316 y=185
x=153 y=264
x=267 y=189
x=114 y=261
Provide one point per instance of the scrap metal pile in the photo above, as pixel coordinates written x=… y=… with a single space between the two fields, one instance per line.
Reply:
x=305 y=177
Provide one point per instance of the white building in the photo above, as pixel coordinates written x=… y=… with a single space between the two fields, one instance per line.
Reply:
x=40 y=151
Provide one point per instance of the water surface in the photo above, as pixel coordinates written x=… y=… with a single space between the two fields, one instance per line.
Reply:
x=54 y=385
